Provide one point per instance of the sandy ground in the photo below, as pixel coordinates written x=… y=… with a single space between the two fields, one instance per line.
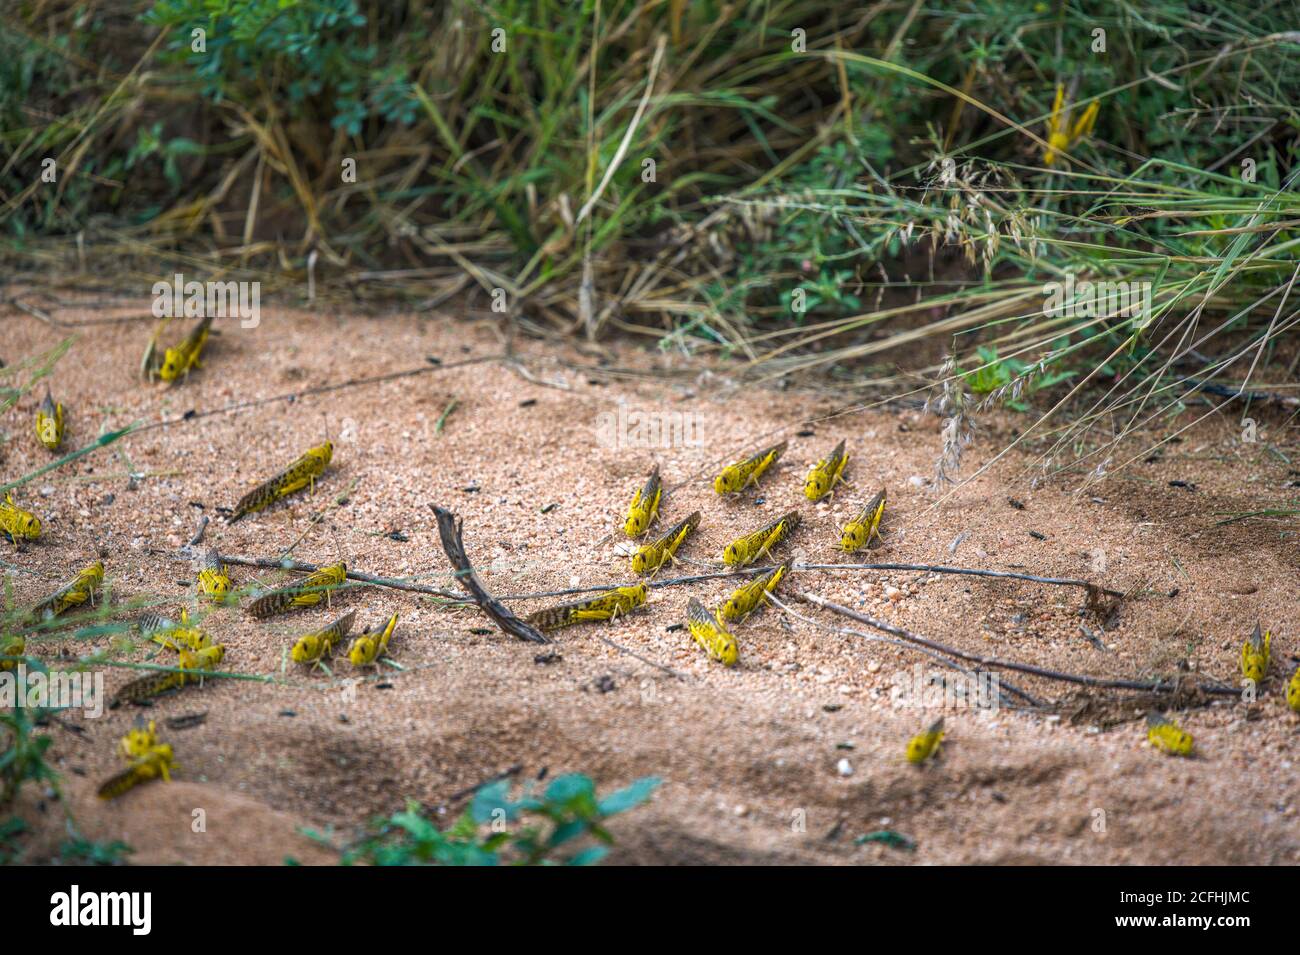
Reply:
x=785 y=759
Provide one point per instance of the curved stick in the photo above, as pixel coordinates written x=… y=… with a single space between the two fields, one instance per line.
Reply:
x=449 y=529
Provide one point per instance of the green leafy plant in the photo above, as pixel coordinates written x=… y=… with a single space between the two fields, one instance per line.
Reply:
x=10 y=830
x=78 y=850
x=994 y=373
x=23 y=758
x=22 y=761
x=315 y=50
x=556 y=827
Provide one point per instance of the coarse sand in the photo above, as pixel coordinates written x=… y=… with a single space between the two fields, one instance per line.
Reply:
x=789 y=757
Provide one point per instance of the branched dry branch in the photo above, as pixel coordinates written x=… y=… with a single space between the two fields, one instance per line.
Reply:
x=1153 y=686
x=1003 y=684
x=449 y=529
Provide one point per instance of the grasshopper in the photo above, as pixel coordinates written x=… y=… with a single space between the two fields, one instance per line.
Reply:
x=609 y=605
x=175 y=362
x=734 y=478
x=307 y=592
x=16 y=524
x=1167 y=736
x=367 y=648
x=49 y=422
x=825 y=474
x=858 y=532
x=1255 y=655
x=643 y=510
x=316 y=646
x=745 y=600
x=747 y=549
x=925 y=744
x=214 y=578
x=76 y=592
x=302 y=473
x=650 y=557
x=710 y=634
x=155 y=762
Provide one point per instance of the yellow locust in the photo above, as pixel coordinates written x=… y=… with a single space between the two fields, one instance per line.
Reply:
x=301 y=474
x=858 y=532
x=650 y=557
x=745 y=600
x=16 y=524
x=367 y=648
x=825 y=474
x=316 y=646
x=147 y=687
x=1255 y=655
x=609 y=605
x=1293 y=691
x=757 y=544
x=736 y=477
x=157 y=761
x=76 y=592
x=307 y=592
x=1061 y=134
x=643 y=510
x=49 y=423
x=171 y=635
x=925 y=744
x=214 y=579
x=197 y=661
x=12 y=647
x=192 y=665
x=1166 y=736
x=176 y=362
x=152 y=624
x=138 y=741
x=710 y=634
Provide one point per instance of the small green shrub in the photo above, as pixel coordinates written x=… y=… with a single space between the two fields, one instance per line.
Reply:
x=500 y=830
x=23 y=758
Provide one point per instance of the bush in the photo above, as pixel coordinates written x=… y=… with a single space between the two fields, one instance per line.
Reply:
x=500 y=830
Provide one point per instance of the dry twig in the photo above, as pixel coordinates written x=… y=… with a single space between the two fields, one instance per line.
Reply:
x=449 y=529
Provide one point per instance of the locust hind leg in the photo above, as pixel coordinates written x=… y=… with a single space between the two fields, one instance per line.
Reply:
x=772 y=540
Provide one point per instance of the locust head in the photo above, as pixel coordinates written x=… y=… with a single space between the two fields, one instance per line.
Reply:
x=729 y=481
x=727 y=652
x=172 y=364
x=362 y=651
x=309 y=649
x=29 y=527
x=855 y=535
x=214 y=583
x=817 y=485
